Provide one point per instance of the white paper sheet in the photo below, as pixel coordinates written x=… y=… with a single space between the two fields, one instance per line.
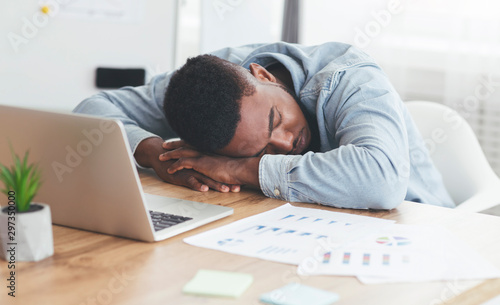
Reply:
x=331 y=243
x=287 y=234
x=405 y=253
x=451 y=260
x=391 y=251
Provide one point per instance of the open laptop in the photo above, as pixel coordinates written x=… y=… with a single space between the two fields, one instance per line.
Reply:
x=89 y=177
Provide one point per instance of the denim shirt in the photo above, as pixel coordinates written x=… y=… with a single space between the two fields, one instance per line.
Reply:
x=370 y=152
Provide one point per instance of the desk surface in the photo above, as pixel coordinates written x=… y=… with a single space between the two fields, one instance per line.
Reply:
x=91 y=268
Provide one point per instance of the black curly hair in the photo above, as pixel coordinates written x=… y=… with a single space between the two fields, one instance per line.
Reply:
x=202 y=101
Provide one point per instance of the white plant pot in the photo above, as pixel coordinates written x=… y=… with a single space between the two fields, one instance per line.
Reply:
x=32 y=239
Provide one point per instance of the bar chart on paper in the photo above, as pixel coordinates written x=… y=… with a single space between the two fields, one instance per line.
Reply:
x=403 y=253
x=331 y=243
x=286 y=234
x=391 y=251
x=362 y=261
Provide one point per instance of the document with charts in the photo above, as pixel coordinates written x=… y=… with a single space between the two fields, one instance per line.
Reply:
x=404 y=253
x=332 y=243
x=287 y=234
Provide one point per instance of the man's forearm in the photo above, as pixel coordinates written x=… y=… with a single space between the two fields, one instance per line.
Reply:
x=240 y=171
x=148 y=150
x=249 y=172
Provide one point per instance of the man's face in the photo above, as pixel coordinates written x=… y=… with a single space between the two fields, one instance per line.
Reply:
x=271 y=123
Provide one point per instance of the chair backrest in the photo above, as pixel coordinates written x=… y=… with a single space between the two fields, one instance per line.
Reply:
x=454 y=149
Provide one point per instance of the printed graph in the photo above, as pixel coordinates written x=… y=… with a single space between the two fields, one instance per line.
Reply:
x=276 y=250
x=288 y=234
x=358 y=258
x=347 y=258
x=281 y=231
x=393 y=241
x=231 y=242
x=313 y=219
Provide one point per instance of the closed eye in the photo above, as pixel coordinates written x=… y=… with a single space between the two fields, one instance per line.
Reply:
x=280 y=119
x=272 y=120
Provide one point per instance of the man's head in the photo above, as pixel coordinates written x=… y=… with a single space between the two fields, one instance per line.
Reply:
x=220 y=107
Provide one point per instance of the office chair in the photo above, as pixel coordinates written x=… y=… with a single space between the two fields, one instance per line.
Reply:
x=458 y=156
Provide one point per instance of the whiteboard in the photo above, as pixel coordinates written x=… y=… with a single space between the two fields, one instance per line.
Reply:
x=53 y=68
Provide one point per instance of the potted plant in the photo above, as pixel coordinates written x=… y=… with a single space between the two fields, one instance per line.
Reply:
x=25 y=227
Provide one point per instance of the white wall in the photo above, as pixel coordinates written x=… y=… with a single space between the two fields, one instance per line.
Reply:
x=55 y=69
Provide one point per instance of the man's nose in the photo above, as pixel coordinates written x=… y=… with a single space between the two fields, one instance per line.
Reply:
x=282 y=141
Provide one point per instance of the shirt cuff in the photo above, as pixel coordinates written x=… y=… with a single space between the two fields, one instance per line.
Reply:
x=135 y=136
x=274 y=172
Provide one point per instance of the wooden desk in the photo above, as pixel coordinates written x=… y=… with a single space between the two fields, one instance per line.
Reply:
x=91 y=268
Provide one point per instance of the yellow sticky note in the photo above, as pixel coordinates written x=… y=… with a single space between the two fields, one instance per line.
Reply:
x=218 y=283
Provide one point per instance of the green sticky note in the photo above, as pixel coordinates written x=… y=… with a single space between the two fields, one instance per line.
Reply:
x=297 y=294
x=218 y=283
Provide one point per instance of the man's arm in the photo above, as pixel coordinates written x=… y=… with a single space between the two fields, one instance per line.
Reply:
x=147 y=155
x=236 y=171
x=140 y=109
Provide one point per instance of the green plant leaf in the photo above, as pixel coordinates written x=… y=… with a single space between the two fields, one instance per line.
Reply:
x=32 y=191
x=6 y=177
x=25 y=161
x=17 y=169
x=34 y=182
x=23 y=188
x=32 y=188
x=22 y=178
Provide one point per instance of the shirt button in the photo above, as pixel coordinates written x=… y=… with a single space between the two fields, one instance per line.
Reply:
x=276 y=192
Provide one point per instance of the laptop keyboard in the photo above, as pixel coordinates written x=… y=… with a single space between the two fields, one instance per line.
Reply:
x=163 y=220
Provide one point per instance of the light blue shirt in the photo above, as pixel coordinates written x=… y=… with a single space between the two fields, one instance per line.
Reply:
x=371 y=154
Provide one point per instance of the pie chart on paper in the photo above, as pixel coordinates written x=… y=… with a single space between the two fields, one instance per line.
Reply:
x=393 y=241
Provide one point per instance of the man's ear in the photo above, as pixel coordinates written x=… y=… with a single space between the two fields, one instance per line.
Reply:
x=261 y=74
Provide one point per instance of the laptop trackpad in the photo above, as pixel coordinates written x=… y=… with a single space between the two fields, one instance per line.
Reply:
x=178 y=206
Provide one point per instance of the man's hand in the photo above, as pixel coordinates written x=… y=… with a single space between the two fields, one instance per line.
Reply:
x=147 y=155
x=227 y=170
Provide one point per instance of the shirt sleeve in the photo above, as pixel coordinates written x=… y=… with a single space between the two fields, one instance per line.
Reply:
x=140 y=109
x=363 y=117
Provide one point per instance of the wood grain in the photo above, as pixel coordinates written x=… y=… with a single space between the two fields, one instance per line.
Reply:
x=92 y=268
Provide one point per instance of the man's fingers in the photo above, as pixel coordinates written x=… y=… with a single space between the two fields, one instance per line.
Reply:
x=170 y=145
x=180 y=153
x=221 y=187
x=203 y=183
x=214 y=185
x=196 y=185
x=179 y=165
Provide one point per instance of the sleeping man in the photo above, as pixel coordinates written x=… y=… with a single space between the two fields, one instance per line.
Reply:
x=317 y=124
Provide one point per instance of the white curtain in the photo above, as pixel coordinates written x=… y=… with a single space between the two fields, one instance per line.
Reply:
x=446 y=51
